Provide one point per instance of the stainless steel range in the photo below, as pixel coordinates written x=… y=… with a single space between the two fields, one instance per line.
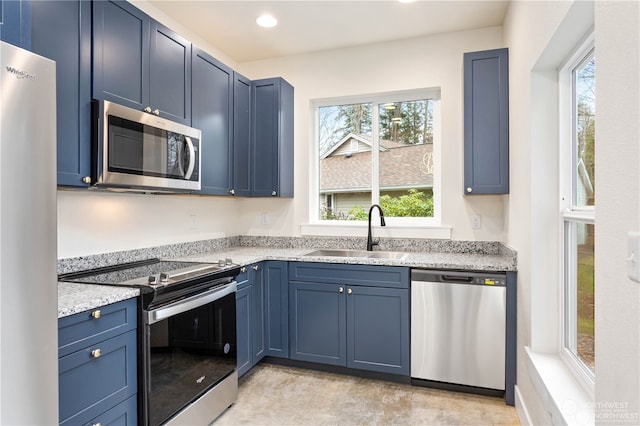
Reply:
x=187 y=339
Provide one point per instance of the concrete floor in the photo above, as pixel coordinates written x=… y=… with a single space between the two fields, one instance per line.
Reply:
x=276 y=395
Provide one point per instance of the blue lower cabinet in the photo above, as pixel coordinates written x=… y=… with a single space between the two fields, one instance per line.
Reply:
x=276 y=308
x=244 y=333
x=97 y=378
x=378 y=329
x=125 y=413
x=97 y=366
x=334 y=318
x=317 y=320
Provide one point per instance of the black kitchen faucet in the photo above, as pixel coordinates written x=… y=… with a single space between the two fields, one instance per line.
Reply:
x=370 y=241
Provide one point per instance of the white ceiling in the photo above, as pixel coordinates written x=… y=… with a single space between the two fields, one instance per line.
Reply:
x=306 y=26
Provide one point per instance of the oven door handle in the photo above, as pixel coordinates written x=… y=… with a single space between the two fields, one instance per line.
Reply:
x=189 y=303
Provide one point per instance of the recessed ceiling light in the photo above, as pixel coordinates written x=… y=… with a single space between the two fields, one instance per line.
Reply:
x=267 y=21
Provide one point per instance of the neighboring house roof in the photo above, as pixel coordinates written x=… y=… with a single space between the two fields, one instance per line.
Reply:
x=345 y=145
x=401 y=166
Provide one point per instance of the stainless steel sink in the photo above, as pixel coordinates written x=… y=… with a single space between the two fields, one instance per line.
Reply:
x=338 y=253
x=394 y=255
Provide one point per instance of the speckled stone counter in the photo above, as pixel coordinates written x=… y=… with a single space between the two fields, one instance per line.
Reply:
x=74 y=298
x=244 y=250
x=464 y=261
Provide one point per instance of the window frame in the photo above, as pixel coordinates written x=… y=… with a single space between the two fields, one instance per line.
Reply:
x=569 y=211
x=376 y=100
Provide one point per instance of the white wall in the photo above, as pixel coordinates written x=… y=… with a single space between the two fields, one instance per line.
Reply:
x=618 y=206
x=540 y=35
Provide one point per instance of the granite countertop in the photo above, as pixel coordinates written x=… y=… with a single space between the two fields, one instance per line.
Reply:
x=464 y=261
x=74 y=297
x=473 y=256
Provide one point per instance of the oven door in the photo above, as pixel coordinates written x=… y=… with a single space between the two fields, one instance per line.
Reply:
x=190 y=347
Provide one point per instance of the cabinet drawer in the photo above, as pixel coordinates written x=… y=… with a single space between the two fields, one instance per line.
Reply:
x=90 y=384
x=87 y=328
x=125 y=413
x=369 y=275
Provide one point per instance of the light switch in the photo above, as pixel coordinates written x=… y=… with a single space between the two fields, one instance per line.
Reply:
x=633 y=256
x=476 y=221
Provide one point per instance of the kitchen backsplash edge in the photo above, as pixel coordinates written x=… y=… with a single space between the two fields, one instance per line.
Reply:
x=206 y=246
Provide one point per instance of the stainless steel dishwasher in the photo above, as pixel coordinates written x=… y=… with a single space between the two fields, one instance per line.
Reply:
x=458 y=322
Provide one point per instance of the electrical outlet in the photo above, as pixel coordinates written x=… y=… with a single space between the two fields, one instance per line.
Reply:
x=476 y=221
x=264 y=218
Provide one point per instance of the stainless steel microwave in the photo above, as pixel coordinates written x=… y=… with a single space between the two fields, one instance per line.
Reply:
x=137 y=150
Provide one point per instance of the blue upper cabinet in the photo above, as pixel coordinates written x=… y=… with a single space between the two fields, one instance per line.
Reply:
x=139 y=63
x=15 y=22
x=170 y=74
x=272 y=138
x=61 y=30
x=121 y=53
x=212 y=113
x=241 y=136
x=486 y=122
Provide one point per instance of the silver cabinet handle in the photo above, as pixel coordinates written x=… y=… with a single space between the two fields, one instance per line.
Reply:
x=274 y=193
x=96 y=314
x=349 y=291
x=156 y=111
x=147 y=109
x=97 y=424
x=469 y=189
x=243 y=269
x=86 y=180
x=340 y=289
x=96 y=353
x=232 y=191
x=255 y=267
x=192 y=158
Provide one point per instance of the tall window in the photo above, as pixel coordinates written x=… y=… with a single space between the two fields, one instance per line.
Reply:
x=577 y=169
x=378 y=149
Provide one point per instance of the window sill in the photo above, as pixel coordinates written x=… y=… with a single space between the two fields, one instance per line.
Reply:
x=563 y=396
x=389 y=231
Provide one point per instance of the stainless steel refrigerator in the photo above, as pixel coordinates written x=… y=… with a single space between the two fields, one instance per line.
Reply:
x=28 y=272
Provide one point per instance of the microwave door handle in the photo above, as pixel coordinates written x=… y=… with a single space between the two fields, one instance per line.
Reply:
x=192 y=158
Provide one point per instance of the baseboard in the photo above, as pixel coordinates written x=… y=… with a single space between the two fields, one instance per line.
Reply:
x=521 y=409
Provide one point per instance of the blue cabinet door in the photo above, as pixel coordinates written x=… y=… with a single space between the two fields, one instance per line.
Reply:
x=170 y=74
x=272 y=146
x=241 y=136
x=121 y=53
x=317 y=318
x=212 y=113
x=276 y=308
x=61 y=30
x=256 y=276
x=486 y=122
x=92 y=382
x=378 y=329
x=244 y=321
x=123 y=414
x=15 y=22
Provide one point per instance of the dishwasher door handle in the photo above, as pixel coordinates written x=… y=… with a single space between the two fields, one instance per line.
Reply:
x=456 y=279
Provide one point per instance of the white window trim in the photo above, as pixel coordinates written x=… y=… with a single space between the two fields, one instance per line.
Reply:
x=396 y=227
x=569 y=212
